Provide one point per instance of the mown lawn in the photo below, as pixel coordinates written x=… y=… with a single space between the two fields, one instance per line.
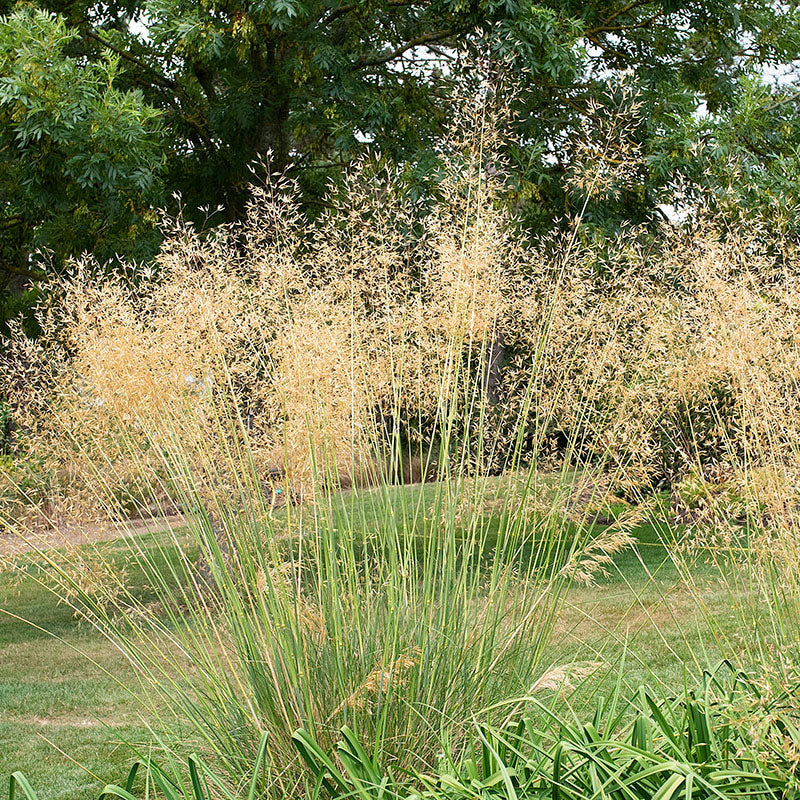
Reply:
x=52 y=697
x=64 y=707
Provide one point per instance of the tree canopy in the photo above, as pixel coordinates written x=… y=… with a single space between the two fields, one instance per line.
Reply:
x=80 y=157
x=109 y=110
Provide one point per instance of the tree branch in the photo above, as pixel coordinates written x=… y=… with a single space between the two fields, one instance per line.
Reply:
x=620 y=11
x=157 y=80
x=342 y=11
x=25 y=272
x=160 y=80
x=12 y=222
x=645 y=23
x=427 y=38
x=606 y=48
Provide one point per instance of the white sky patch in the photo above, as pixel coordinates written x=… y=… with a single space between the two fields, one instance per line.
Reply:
x=140 y=27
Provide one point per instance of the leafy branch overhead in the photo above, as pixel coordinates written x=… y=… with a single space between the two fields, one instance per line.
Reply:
x=80 y=156
x=109 y=110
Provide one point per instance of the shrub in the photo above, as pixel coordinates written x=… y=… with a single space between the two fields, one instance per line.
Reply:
x=702 y=744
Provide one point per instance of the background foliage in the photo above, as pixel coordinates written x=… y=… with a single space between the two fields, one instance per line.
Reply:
x=108 y=110
x=80 y=157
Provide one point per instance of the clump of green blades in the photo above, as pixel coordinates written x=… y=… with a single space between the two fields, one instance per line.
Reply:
x=202 y=782
x=693 y=747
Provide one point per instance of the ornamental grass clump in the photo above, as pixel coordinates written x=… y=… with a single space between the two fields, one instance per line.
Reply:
x=529 y=383
x=332 y=365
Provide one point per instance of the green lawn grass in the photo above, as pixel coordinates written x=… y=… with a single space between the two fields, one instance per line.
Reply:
x=63 y=695
x=61 y=688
